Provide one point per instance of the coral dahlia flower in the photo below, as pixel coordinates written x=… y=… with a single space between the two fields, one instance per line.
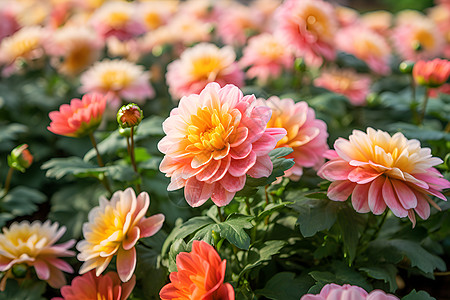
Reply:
x=354 y=86
x=266 y=55
x=366 y=45
x=378 y=170
x=333 y=291
x=118 y=79
x=432 y=73
x=200 y=275
x=78 y=118
x=34 y=245
x=306 y=135
x=113 y=228
x=104 y=287
x=309 y=26
x=213 y=141
x=200 y=65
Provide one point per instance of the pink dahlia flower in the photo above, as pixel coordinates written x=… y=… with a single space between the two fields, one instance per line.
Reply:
x=440 y=14
x=114 y=228
x=378 y=170
x=104 y=287
x=354 y=86
x=34 y=245
x=200 y=65
x=118 y=79
x=80 y=117
x=266 y=55
x=432 y=73
x=309 y=26
x=333 y=291
x=306 y=135
x=213 y=140
x=9 y=22
x=379 y=21
x=200 y=275
x=366 y=45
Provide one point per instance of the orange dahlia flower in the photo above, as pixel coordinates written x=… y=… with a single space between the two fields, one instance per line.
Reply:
x=113 y=228
x=432 y=73
x=80 y=117
x=200 y=276
x=380 y=170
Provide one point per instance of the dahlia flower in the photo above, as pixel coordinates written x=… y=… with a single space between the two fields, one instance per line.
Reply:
x=379 y=21
x=333 y=291
x=118 y=19
x=118 y=79
x=432 y=73
x=104 y=287
x=78 y=118
x=366 y=45
x=306 y=135
x=9 y=22
x=79 y=47
x=200 y=275
x=188 y=31
x=440 y=14
x=309 y=26
x=200 y=65
x=114 y=228
x=417 y=37
x=346 y=16
x=213 y=140
x=157 y=13
x=266 y=55
x=354 y=86
x=34 y=245
x=378 y=170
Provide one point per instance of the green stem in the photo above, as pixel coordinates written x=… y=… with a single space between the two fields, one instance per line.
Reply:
x=104 y=180
x=133 y=159
x=413 y=100
x=377 y=231
x=8 y=180
x=266 y=194
x=219 y=212
x=447 y=128
x=424 y=107
x=247 y=204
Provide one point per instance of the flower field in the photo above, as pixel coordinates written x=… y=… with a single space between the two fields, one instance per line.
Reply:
x=200 y=149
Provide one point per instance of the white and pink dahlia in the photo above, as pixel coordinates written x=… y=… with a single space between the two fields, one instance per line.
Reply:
x=118 y=79
x=333 y=291
x=266 y=55
x=114 y=228
x=35 y=246
x=213 y=140
x=380 y=170
x=306 y=135
x=309 y=27
x=200 y=65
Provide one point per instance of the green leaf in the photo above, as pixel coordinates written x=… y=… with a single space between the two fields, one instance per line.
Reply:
x=419 y=132
x=151 y=126
x=22 y=200
x=233 y=230
x=348 y=220
x=8 y=134
x=261 y=253
x=109 y=145
x=280 y=152
x=28 y=290
x=286 y=286
x=385 y=272
x=420 y=295
x=59 y=167
x=177 y=247
x=271 y=208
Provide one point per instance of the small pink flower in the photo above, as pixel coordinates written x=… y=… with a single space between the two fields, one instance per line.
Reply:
x=266 y=55
x=333 y=291
x=213 y=141
x=200 y=65
x=9 y=22
x=432 y=73
x=80 y=117
x=309 y=26
x=440 y=15
x=114 y=228
x=354 y=86
x=379 y=21
x=366 y=45
x=306 y=135
x=378 y=170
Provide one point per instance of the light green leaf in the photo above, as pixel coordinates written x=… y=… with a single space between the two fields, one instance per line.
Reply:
x=22 y=200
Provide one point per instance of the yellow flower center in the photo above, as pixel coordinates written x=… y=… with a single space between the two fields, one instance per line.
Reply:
x=366 y=48
x=317 y=22
x=424 y=38
x=152 y=20
x=272 y=50
x=78 y=59
x=24 y=46
x=108 y=233
x=100 y=296
x=115 y=79
x=118 y=19
x=207 y=67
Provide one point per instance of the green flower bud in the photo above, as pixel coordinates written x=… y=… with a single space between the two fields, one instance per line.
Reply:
x=129 y=115
x=20 y=270
x=20 y=158
x=406 y=66
x=300 y=64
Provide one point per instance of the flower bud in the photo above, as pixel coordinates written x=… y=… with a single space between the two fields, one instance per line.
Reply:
x=129 y=115
x=20 y=158
x=406 y=67
x=20 y=270
x=300 y=64
x=432 y=73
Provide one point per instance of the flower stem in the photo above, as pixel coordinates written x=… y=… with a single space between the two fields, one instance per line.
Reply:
x=104 y=180
x=219 y=212
x=424 y=107
x=8 y=180
x=414 y=101
x=133 y=159
x=377 y=231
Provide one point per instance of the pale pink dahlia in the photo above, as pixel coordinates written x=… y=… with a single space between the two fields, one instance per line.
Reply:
x=366 y=45
x=306 y=135
x=266 y=55
x=35 y=246
x=200 y=65
x=333 y=291
x=347 y=82
x=378 y=170
x=114 y=228
x=213 y=140
x=309 y=26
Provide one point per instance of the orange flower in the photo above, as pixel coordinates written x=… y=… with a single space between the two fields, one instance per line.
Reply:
x=432 y=73
x=200 y=276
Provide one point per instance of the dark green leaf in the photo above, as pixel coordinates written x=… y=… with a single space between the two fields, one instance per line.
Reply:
x=348 y=220
x=286 y=286
x=261 y=253
x=420 y=295
x=59 y=167
x=385 y=272
x=28 y=290
x=22 y=200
